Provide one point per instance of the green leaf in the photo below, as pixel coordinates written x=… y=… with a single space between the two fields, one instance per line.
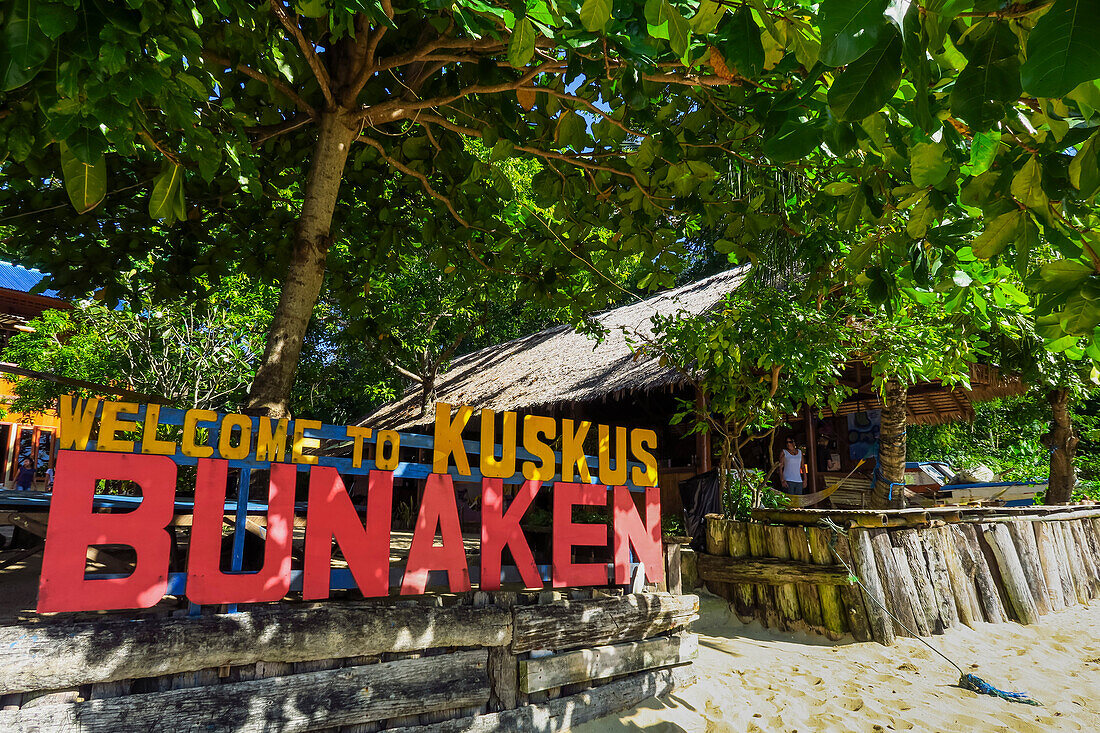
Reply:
x=1080 y=315
x=85 y=184
x=991 y=78
x=1027 y=185
x=167 y=193
x=850 y=28
x=1062 y=275
x=706 y=18
x=595 y=14
x=998 y=234
x=927 y=164
x=922 y=217
x=679 y=31
x=1062 y=49
x=23 y=46
x=571 y=130
x=743 y=48
x=983 y=150
x=1084 y=169
x=839 y=188
x=850 y=209
x=55 y=19
x=867 y=84
x=794 y=140
x=521 y=48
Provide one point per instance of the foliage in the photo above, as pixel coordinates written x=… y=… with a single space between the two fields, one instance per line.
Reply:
x=747 y=489
x=194 y=354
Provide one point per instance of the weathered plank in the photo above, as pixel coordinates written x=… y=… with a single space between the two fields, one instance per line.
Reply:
x=1090 y=551
x=606 y=661
x=565 y=713
x=1053 y=570
x=975 y=565
x=1067 y=550
x=573 y=624
x=833 y=613
x=786 y=597
x=716 y=546
x=744 y=599
x=898 y=600
x=909 y=585
x=57 y=653
x=908 y=540
x=940 y=578
x=769 y=571
x=962 y=586
x=297 y=702
x=1012 y=573
x=882 y=628
x=673 y=577
x=1023 y=536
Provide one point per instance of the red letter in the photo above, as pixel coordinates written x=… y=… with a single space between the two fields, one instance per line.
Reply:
x=567 y=535
x=206 y=583
x=332 y=516
x=74 y=527
x=437 y=508
x=500 y=529
x=646 y=540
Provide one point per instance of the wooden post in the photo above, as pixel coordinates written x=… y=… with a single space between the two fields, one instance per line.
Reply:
x=962 y=585
x=808 y=597
x=1053 y=570
x=940 y=577
x=786 y=596
x=1067 y=549
x=832 y=608
x=882 y=628
x=1019 y=595
x=898 y=600
x=717 y=546
x=989 y=595
x=765 y=593
x=852 y=595
x=1092 y=571
x=1028 y=551
x=811 y=450
x=909 y=584
x=737 y=541
x=909 y=542
x=673 y=578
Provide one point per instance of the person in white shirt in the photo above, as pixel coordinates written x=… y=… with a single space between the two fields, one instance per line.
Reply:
x=791 y=470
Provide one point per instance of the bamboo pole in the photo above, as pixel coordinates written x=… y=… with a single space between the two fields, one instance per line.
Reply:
x=1016 y=586
x=832 y=607
x=863 y=554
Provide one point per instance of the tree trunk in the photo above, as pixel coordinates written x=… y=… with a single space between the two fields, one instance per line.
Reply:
x=270 y=391
x=889 y=489
x=1062 y=443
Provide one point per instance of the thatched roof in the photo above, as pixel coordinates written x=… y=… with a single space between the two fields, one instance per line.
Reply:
x=560 y=364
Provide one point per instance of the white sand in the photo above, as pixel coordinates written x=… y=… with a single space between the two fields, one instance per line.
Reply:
x=750 y=679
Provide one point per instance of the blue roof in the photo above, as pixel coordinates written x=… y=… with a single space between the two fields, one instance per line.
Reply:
x=22 y=279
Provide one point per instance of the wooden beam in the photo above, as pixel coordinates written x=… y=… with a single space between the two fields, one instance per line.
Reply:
x=602 y=662
x=297 y=702
x=81 y=384
x=768 y=571
x=56 y=653
x=575 y=624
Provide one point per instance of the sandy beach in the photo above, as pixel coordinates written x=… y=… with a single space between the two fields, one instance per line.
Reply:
x=750 y=679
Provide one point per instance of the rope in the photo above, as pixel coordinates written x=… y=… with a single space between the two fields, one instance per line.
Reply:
x=966 y=681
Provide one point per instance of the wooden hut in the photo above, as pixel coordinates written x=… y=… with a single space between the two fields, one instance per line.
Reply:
x=563 y=372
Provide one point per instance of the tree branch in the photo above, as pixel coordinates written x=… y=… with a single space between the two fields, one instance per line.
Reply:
x=424 y=182
x=248 y=71
x=319 y=70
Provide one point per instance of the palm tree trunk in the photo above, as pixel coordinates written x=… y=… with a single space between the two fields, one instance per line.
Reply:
x=1062 y=443
x=889 y=488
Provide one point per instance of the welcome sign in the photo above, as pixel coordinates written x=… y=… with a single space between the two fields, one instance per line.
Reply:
x=123 y=441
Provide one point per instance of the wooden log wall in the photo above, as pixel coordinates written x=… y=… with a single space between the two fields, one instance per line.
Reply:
x=921 y=570
x=486 y=662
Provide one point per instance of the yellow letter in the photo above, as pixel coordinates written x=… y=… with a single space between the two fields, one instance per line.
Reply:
x=572 y=451
x=638 y=439
x=75 y=428
x=490 y=466
x=358 y=435
x=190 y=447
x=301 y=442
x=149 y=442
x=225 y=446
x=393 y=439
x=271 y=444
x=448 y=438
x=109 y=424
x=612 y=476
x=534 y=425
